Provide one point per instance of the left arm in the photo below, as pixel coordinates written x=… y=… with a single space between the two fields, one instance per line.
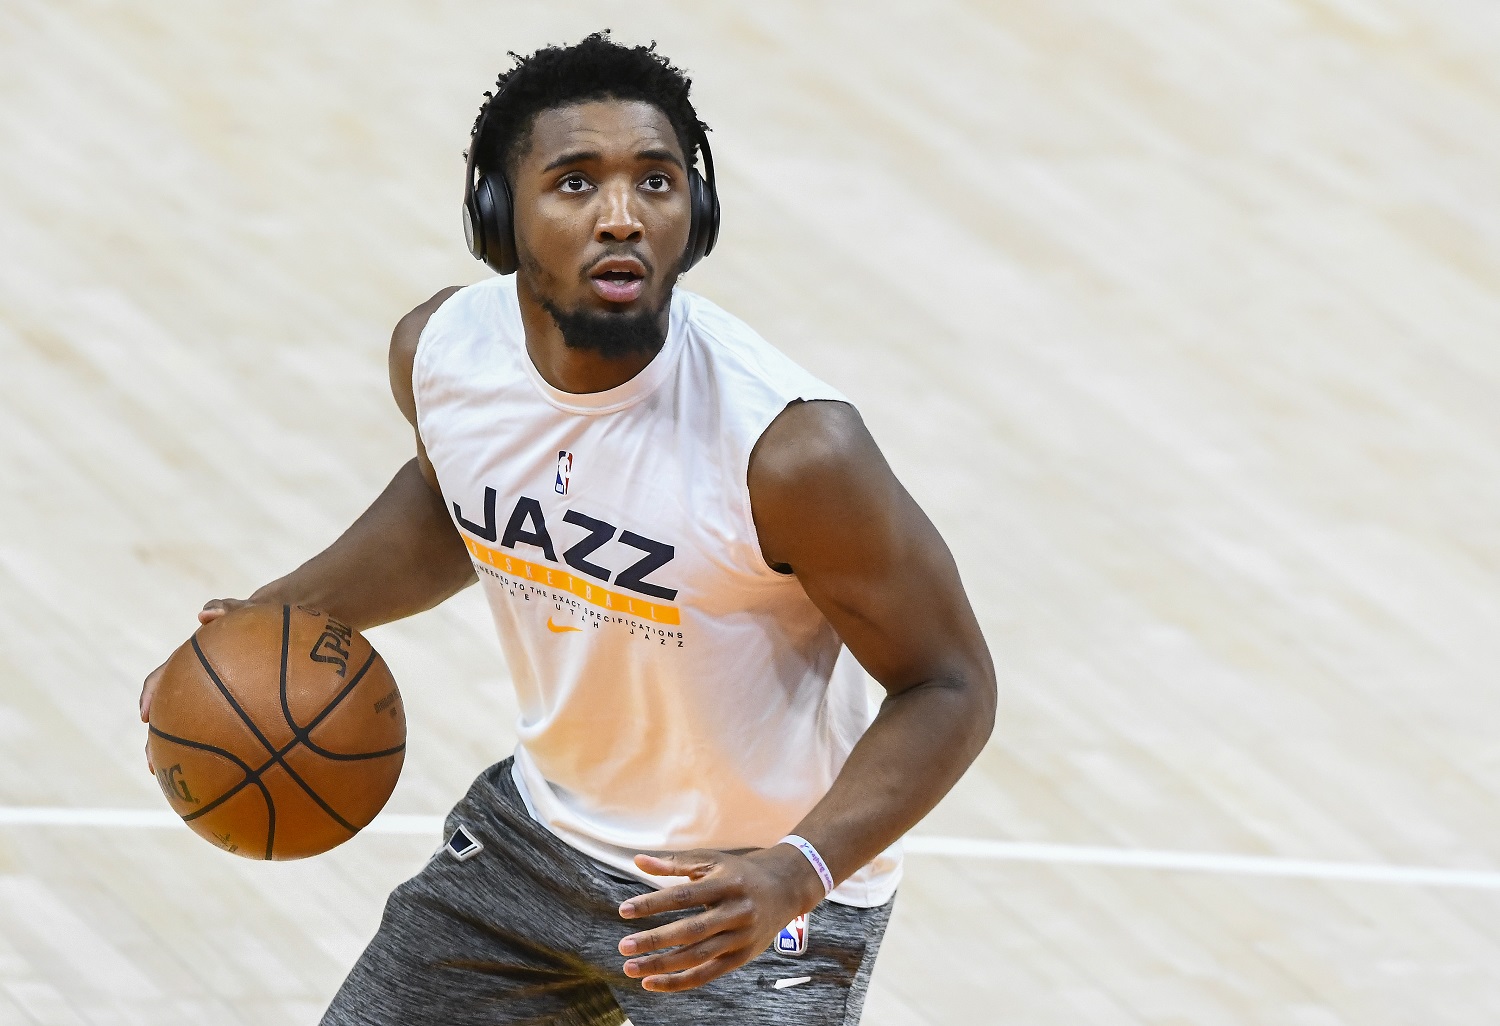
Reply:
x=828 y=507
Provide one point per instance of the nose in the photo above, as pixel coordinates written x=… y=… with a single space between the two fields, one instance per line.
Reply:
x=618 y=220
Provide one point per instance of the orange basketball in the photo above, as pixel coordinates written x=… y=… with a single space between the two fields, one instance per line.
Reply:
x=277 y=732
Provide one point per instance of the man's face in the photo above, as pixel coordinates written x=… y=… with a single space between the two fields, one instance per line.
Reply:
x=601 y=219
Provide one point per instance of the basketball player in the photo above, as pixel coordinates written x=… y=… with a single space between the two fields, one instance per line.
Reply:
x=677 y=530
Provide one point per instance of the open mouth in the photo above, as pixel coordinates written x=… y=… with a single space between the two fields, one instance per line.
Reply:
x=619 y=281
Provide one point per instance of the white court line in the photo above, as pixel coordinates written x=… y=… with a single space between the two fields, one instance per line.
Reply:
x=1202 y=862
x=917 y=844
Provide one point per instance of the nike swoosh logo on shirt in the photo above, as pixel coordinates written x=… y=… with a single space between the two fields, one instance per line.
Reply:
x=794 y=981
x=555 y=629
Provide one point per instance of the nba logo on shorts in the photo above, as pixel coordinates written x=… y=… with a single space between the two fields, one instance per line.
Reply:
x=564 y=471
x=792 y=940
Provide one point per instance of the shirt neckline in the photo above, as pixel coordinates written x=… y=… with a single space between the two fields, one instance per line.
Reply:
x=626 y=394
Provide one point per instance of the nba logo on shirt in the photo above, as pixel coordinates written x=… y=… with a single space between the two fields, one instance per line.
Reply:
x=792 y=940
x=564 y=471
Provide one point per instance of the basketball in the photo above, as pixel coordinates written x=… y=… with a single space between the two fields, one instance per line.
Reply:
x=277 y=732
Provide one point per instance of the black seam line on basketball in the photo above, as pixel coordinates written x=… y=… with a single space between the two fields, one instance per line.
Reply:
x=340 y=820
x=286 y=639
x=276 y=756
x=251 y=776
x=211 y=806
x=303 y=736
x=333 y=703
x=265 y=793
x=230 y=698
x=254 y=778
x=202 y=746
x=300 y=734
x=278 y=759
x=355 y=756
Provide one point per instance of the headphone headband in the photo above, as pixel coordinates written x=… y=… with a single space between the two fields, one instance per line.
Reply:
x=474 y=227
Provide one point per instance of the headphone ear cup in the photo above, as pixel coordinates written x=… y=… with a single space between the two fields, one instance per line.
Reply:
x=473 y=228
x=492 y=236
x=704 y=229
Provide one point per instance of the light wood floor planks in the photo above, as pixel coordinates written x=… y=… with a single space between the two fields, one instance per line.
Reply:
x=1179 y=317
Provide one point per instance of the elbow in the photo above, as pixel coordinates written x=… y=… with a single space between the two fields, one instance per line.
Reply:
x=983 y=700
x=971 y=709
x=957 y=711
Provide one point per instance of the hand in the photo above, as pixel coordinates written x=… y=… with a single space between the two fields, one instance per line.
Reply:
x=211 y=611
x=749 y=898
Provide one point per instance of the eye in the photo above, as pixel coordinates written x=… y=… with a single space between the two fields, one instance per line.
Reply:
x=574 y=183
x=656 y=182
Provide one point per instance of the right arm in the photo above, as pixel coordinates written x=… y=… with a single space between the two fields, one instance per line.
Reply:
x=401 y=556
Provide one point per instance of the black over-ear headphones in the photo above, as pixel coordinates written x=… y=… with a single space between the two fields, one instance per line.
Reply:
x=489 y=227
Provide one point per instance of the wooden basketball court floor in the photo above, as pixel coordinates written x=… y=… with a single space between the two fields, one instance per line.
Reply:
x=1180 y=317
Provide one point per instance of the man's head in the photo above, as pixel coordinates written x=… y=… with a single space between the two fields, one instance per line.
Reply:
x=595 y=141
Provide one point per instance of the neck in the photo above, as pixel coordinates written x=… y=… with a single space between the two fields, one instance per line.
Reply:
x=575 y=370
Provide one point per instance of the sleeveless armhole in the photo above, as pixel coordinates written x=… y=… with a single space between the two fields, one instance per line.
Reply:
x=812 y=390
x=421 y=349
x=781 y=382
x=762 y=565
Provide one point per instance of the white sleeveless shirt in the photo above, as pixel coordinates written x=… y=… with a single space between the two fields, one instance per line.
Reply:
x=675 y=692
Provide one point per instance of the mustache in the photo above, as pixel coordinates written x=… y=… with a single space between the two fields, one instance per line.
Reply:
x=627 y=252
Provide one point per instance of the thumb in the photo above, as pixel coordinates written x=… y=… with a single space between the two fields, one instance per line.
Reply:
x=692 y=864
x=215 y=608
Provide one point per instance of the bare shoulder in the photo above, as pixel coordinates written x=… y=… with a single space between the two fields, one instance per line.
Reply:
x=817 y=482
x=808 y=442
x=403 y=349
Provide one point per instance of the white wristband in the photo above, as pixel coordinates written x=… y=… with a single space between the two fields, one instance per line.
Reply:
x=803 y=845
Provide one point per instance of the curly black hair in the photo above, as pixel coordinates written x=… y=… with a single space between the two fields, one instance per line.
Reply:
x=596 y=67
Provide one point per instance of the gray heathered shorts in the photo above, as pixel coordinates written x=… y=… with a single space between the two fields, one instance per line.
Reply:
x=526 y=931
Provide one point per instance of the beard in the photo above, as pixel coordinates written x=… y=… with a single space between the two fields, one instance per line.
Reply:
x=611 y=335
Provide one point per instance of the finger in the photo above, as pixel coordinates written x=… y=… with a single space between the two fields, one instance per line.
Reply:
x=148 y=689
x=674 y=899
x=215 y=608
x=694 y=865
x=683 y=863
x=150 y=767
x=684 y=958
x=698 y=975
x=686 y=931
